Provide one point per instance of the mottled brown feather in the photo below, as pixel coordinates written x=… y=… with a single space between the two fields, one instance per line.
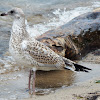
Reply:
x=41 y=53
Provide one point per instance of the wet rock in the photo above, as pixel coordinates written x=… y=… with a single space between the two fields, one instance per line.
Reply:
x=76 y=38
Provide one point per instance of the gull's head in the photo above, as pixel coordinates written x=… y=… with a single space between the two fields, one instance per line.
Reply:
x=15 y=13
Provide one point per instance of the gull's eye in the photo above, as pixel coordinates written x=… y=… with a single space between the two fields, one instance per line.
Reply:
x=12 y=11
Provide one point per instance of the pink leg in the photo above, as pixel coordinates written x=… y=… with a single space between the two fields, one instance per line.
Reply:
x=29 y=83
x=34 y=77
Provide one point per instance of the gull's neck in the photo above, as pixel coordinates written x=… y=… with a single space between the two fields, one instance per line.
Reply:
x=19 y=29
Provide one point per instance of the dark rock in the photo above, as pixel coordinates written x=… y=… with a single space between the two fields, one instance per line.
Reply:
x=76 y=38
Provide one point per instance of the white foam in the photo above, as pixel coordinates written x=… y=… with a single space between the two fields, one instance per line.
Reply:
x=33 y=32
x=62 y=17
x=8 y=64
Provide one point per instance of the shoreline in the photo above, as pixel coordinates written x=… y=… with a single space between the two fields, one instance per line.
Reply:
x=89 y=90
x=84 y=86
x=83 y=90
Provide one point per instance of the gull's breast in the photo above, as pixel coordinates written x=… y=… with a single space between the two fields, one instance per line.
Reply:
x=19 y=56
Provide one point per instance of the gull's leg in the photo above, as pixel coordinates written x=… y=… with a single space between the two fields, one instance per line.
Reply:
x=29 y=83
x=34 y=77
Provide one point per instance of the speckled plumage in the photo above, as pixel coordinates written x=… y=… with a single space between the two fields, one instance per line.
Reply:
x=29 y=52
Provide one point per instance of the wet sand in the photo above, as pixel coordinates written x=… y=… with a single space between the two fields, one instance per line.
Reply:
x=82 y=91
x=54 y=85
x=85 y=87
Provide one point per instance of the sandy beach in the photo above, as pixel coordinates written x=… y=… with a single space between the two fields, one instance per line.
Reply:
x=89 y=90
x=65 y=84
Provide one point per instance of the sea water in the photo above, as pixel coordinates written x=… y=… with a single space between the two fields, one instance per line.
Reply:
x=41 y=16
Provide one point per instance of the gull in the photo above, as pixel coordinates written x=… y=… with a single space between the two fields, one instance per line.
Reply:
x=29 y=52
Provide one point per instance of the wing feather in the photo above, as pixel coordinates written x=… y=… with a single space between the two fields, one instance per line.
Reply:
x=41 y=53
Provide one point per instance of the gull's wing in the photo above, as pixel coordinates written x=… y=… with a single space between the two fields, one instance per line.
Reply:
x=41 y=53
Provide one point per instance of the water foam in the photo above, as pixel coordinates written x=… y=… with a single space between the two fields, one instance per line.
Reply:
x=8 y=64
x=61 y=17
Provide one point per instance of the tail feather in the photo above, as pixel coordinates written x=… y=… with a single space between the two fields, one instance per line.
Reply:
x=81 y=68
x=75 y=66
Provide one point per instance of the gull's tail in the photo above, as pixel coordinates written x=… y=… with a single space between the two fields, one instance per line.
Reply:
x=81 y=68
x=74 y=66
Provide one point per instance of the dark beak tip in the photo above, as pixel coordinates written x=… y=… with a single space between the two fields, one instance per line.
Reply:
x=3 y=14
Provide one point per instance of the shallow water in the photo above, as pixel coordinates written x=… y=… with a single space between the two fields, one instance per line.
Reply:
x=14 y=84
x=42 y=15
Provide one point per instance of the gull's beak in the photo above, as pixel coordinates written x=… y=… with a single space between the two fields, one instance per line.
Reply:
x=4 y=14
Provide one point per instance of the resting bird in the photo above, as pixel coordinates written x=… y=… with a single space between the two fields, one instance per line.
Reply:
x=29 y=52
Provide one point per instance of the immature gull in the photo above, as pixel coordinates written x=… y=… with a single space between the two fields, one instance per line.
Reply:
x=31 y=53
